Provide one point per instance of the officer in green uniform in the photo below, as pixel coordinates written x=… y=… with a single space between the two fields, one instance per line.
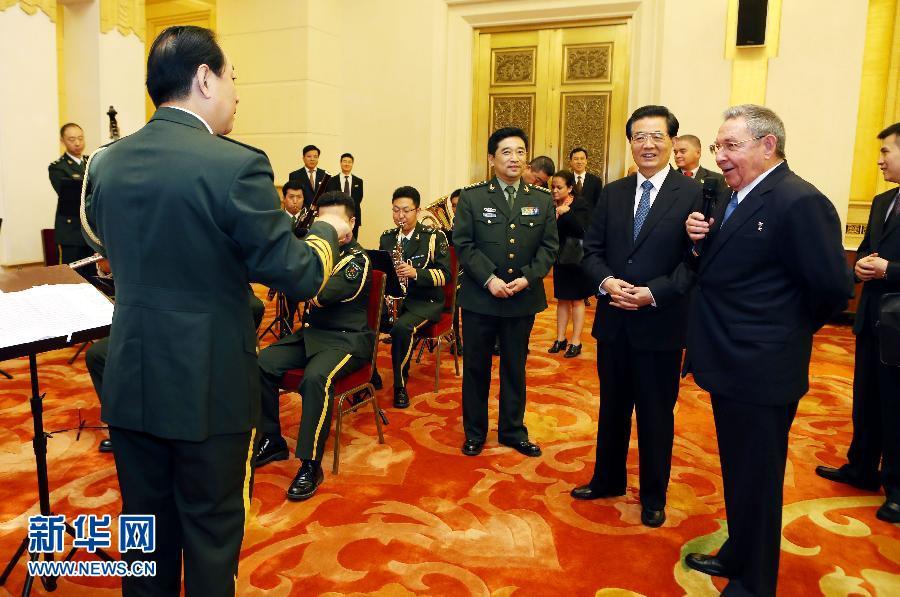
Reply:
x=335 y=340
x=68 y=170
x=505 y=236
x=426 y=267
x=188 y=218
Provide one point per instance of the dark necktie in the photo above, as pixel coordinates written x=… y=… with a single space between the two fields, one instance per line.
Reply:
x=579 y=185
x=511 y=196
x=346 y=185
x=403 y=243
x=643 y=208
x=894 y=211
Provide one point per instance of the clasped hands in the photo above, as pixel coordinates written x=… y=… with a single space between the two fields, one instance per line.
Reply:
x=626 y=296
x=871 y=267
x=501 y=289
x=405 y=270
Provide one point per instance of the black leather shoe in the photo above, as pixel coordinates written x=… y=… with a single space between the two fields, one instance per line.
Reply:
x=652 y=518
x=472 y=447
x=401 y=398
x=271 y=448
x=376 y=381
x=307 y=481
x=841 y=475
x=557 y=346
x=889 y=512
x=573 y=351
x=524 y=447
x=105 y=445
x=706 y=564
x=586 y=492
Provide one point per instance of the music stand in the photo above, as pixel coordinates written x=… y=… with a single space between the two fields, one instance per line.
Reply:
x=383 y=262
x=22 y=280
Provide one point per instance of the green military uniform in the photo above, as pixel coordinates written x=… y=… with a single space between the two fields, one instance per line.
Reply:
x=493 y=238
x=67 y=229
x=185 y=232
x=427 y=251
x=335 y=340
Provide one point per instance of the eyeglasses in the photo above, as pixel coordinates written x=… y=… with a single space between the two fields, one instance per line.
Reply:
x=731 y=145
x=519 y=153
x=654 y=137
x=405 y=211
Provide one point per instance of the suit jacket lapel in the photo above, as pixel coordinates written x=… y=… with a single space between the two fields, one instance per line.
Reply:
x=498 y=198
x=743 y=212
x=661 y=204
x=891 y=226
x=626 y=204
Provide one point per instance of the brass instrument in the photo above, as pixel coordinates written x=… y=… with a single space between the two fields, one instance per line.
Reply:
x=308 y=214
x=393 y=302
x=439 y=214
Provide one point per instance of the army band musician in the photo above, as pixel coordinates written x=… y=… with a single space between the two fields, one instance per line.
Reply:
x=423 y=263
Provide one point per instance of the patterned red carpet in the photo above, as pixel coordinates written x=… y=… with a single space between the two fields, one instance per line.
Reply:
x=415 y=517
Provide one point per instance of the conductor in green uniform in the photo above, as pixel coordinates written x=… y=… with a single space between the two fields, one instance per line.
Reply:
x=425 y=265
x=188 y=218
x=335 y=341
x=68 y=171
x=505 y=236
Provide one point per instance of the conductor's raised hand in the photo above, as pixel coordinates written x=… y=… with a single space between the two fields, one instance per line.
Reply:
x=340 y=224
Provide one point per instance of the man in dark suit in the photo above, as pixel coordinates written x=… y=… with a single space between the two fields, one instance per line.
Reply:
x=351 y=185
x=185 y=233
x=506 y=238
x=425 y=265
x=876 y=386
x=687 y=159
x=771 y=272
x=538 y=171
x=587 y=185
x=292 y=191
x=310 y=176
x=634 y=254
x=66 y=175
x=335 y=341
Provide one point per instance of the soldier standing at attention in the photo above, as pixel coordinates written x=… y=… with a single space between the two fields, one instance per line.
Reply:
x=68 y=170
x=426 y=268
x=506 y=238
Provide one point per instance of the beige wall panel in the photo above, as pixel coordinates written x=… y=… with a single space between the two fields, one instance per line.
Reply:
x=695 y=81
x=81 y=48
x=324 y=59
x=241 y=16
x=122 y=75
x=28 y=132
x=814 y=86
x=266 y=56
x=267 y=108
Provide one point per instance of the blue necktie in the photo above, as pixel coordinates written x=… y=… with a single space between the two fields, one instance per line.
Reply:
x=732 y=205
x=643 y=208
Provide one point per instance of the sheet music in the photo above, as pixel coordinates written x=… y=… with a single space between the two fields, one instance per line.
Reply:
x=50 y=311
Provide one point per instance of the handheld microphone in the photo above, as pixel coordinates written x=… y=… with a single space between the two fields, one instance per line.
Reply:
x=710 y=198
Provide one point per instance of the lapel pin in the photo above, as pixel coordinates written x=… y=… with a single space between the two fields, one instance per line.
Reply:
x=759 y=226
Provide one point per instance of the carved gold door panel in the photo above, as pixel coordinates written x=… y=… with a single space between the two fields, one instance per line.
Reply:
x=565 y=87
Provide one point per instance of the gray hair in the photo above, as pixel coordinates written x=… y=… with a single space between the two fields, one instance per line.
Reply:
x=761 y=121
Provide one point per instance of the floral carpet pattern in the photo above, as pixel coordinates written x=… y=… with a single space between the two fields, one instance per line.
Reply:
x=413 y=516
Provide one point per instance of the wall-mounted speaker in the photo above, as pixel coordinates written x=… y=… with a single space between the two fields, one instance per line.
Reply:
x=751 y=22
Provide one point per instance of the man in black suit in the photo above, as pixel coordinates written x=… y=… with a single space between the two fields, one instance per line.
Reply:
x=187 y=217
x=538 y=171
x=771 y=272
x=310 y=176
x=635 y=254
x=66 y=175
x=587 y=185
x=876 y=386
x=351 y=185
x=687 y=159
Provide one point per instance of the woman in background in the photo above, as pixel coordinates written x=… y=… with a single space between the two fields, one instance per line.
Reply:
x=569 y=282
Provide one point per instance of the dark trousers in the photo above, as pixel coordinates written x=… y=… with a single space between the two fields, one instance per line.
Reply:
x=876 y=417
x=480 y=331
x=316 y=390
x=753 y=445
x=402 y=337
x=70 y=253
x=645 y=382
x=198 y=492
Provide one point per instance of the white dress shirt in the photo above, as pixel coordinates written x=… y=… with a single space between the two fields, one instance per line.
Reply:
x=195 y=115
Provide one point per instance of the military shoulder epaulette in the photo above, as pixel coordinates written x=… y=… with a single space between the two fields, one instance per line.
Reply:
x=539 y=188
x=476 y=184
x=236 y=142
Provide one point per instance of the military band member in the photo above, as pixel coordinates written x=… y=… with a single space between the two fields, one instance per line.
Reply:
x=334 y=341
x=69 y=170
x=505 y=236
x=426 y=267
